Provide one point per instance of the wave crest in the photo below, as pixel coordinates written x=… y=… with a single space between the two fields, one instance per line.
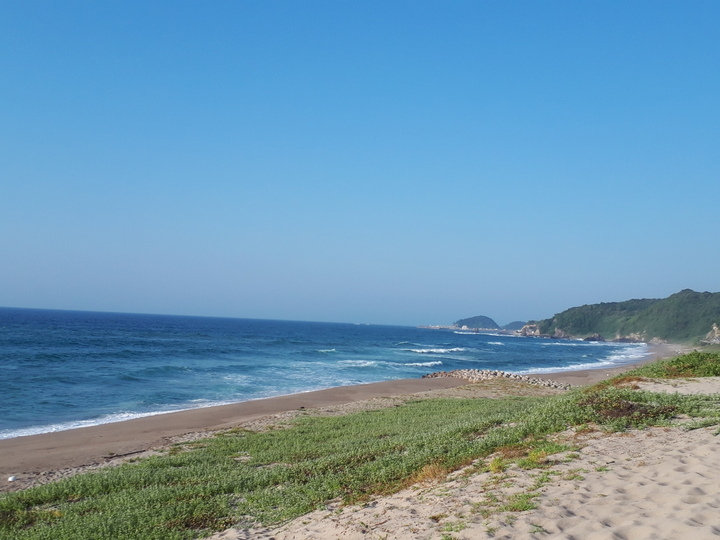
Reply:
x=438 y=351
x=424 y=364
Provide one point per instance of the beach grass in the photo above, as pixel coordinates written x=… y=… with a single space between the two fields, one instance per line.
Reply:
x=244 y=477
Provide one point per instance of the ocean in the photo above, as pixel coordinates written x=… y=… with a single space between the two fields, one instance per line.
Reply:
x=67 y=369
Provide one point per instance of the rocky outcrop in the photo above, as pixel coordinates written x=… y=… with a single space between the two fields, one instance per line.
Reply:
x=533 y=330
x=713 y=336
x=477 y=375
x=529 y=330
x=630 y=338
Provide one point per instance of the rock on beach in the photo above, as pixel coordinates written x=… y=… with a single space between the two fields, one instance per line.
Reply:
x=477 y=375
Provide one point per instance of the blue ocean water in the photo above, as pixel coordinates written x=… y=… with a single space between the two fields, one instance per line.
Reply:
x=66 y=369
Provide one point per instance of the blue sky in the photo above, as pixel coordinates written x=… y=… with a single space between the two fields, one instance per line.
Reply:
x=382 y=162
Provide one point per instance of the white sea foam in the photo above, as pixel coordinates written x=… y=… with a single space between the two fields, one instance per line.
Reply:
x=628 y=354
x=237 y=378
x=437 y=351
x=424 y=364
x=65 y=426
x=577 y=367
x=582 y=343
x=358 y=363
x=123 y=416
x=495 y=343
x=326 y=350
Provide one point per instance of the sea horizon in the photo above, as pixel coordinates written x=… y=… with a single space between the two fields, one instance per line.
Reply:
x=153 y=314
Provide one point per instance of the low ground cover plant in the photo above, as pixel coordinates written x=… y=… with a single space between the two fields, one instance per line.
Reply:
x=243 y=477
x=694 y=364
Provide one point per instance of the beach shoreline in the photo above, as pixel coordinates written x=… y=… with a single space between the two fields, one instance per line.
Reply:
x=39 y=458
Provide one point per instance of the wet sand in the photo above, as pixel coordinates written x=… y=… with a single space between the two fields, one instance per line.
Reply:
x=96 y=444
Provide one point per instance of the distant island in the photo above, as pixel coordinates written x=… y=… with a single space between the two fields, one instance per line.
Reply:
x=684 y=317
x=476 y=323
x=481 y=322
x=515 y=325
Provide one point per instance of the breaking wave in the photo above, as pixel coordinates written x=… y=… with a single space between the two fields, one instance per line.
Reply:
x=438 y=351
x=424 y=364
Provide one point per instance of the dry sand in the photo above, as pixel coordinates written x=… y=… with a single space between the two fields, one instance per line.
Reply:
x=660 y=483
x=702 y=385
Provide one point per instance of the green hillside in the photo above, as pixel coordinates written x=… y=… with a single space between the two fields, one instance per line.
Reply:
x=686 y=316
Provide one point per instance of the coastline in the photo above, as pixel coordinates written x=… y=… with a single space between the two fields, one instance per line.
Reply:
x=658 y=351
x=29 y=456
x=40 y=458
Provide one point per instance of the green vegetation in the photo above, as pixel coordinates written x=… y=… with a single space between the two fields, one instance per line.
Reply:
x=479 y=321
x=686 y=316
x=694 y=364
x=242 y=477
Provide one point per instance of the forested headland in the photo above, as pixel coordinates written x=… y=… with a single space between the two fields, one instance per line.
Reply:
x=686 y=316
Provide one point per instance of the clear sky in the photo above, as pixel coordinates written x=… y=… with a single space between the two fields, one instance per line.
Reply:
x=397 y=162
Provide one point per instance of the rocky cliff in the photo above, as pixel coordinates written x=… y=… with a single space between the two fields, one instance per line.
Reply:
x=713 y=336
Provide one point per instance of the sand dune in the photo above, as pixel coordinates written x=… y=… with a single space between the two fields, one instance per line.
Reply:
x=655 y=484
x=659 y=483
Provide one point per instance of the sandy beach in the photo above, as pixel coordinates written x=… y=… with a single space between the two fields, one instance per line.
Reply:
x=45 y=457
x=35 y=458
x=657 y=483
x=40 y=458
x=660 y=483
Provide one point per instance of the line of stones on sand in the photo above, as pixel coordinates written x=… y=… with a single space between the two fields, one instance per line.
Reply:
x=477 y=375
